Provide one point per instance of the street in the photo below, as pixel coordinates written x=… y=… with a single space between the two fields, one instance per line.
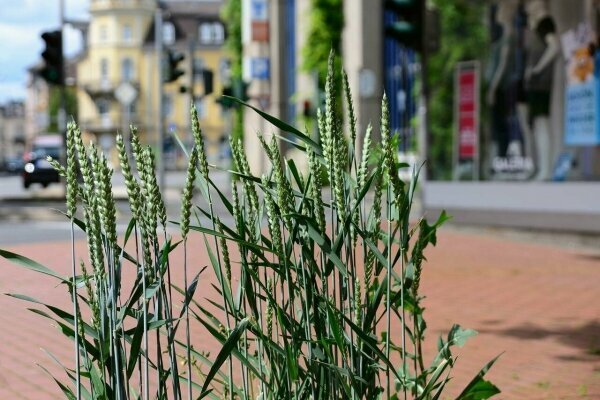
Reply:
x=33 y=215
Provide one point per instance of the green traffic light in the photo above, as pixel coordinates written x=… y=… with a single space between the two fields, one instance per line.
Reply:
x=52 y=71
x=407 y=26
x=401 y=3
x=173 y=73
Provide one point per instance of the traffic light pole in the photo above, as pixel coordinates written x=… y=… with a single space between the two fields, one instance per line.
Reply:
x=62 y=112
x=158 y=48
x=426 y=136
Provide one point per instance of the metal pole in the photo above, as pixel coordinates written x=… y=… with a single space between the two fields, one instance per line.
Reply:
x=158 y=47
x=192 y=49
x=62 y=112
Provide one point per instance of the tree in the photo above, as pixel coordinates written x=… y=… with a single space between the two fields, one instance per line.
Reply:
x=324 y=34
x=54 y=105
x=232 y=17
x=463 y=37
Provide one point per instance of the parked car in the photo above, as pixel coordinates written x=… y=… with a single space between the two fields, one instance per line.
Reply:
x=36 y=167
x=13 y=165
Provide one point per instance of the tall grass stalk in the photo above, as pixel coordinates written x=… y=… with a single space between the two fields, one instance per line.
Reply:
x=317 y=290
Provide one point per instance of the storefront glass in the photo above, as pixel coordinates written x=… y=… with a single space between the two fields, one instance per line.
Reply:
x=538 y=96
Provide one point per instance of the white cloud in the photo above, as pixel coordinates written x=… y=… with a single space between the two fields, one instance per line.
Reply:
x=21 y=25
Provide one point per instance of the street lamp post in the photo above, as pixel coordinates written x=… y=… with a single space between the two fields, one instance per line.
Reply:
x=158 y=48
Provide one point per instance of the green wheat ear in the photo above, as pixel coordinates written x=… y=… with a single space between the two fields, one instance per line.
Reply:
x=350 y=108
x=71 y=170
x=315 y=189
x=62 y=171
x=188 y=192
x=199 y=142
x=272 y=219
x=224 y=251
x=131 y=184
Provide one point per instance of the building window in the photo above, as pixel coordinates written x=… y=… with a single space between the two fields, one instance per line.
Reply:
x=127 y=33
x=200 y=104
x=198 y=67
x=211 y=33
x=104 y=69
x=127 y=70
x=168 y=33
x=224 y=70
x=103 y=106
x=167 y=105
x=219 y=33
x=103 y=33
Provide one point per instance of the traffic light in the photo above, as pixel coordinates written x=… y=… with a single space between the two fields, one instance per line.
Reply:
x=404 y=22
x=240 y=89
x=53 y=68
x=173 y=72
x=207 y=78
x=306 y=109
x=237 y=89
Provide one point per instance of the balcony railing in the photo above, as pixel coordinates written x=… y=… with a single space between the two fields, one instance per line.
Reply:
x=104 y=88
x=107 y=123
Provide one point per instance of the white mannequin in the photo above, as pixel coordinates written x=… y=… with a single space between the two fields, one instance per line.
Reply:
x=504 y=17
x=539 y=131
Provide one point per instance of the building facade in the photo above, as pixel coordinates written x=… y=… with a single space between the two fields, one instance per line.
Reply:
x=12 y=130
x=121 y=53
x=36 y=104
x=536 y=153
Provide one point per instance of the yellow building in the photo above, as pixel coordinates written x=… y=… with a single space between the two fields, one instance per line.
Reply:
x=121 y=52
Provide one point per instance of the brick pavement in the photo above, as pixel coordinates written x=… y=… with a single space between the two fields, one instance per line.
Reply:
x=537 y=304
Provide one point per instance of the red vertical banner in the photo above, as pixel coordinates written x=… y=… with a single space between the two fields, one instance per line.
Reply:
x=467 y=109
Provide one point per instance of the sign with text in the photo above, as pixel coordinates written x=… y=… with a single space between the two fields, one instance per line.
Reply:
x=582 y=124
x=259 y=68
x=259 y=10
x=467 y=111
x=260 y=31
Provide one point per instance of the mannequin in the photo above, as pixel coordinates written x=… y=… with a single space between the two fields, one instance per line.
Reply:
x=542 y=46
x=498 y=95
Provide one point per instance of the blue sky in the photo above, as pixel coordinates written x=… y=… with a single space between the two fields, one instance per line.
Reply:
x=21 y=24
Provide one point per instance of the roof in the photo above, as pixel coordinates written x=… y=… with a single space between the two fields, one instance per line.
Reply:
x=185 y=15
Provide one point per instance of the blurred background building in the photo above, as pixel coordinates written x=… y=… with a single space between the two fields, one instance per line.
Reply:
x=119 y=80
x=501 y=98
x=12 y=127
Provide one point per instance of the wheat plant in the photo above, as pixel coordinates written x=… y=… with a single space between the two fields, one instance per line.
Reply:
x=318 y=274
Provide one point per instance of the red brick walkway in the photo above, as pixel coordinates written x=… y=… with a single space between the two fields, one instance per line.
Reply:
x=539 y=305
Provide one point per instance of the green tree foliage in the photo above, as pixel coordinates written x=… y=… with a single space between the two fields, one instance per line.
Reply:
x=463 y=37
x=325 y=34
x=232 y=17
x=56 y=95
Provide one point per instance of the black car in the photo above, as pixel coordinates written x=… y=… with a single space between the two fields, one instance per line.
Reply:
x=37 y=169
x=13 y=165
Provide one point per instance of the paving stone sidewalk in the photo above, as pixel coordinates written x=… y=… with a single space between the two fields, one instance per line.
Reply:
x=536 y=304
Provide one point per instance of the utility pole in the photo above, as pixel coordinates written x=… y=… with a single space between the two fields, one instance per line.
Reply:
x=62 y=112
x=158 y=48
